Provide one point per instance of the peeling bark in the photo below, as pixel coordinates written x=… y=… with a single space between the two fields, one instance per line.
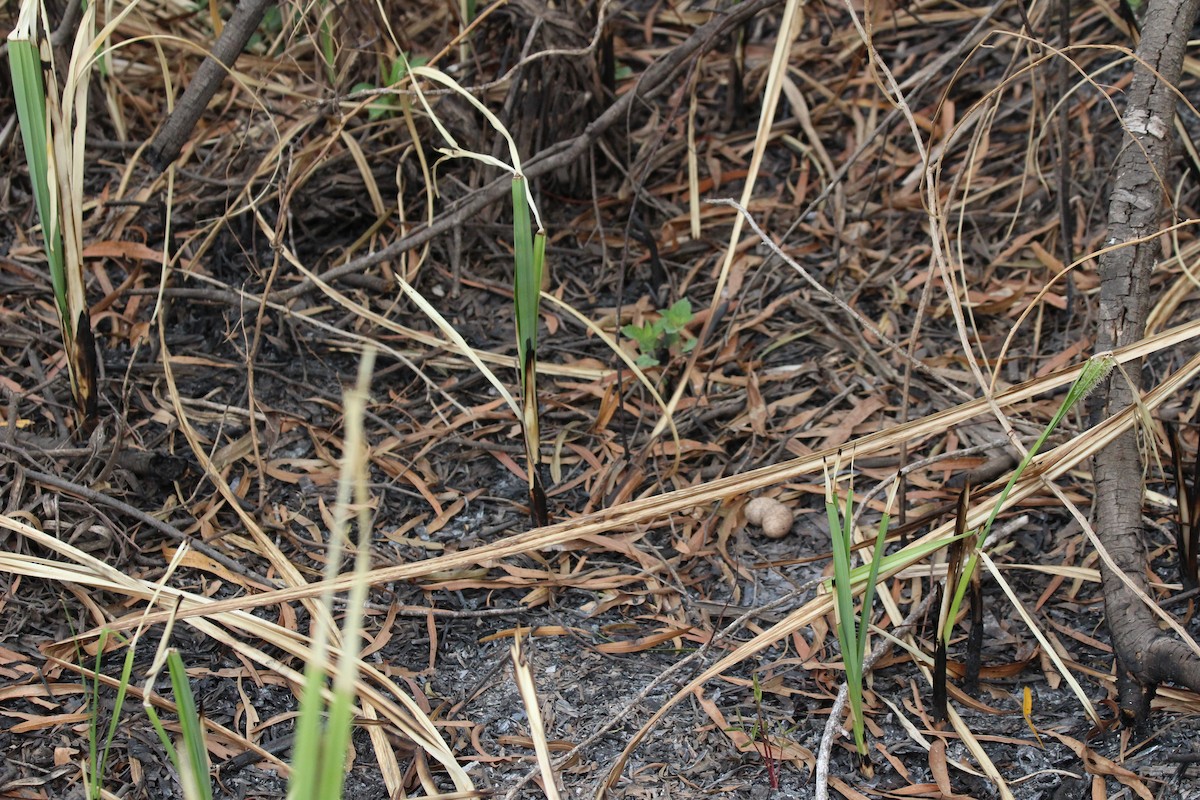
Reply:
x=1145 y=656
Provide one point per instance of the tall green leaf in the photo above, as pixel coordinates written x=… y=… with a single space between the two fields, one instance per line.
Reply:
x=529 y=254
x=25 y=64
x=54 y=132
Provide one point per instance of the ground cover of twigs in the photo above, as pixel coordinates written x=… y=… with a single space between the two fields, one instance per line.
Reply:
x=889 y=295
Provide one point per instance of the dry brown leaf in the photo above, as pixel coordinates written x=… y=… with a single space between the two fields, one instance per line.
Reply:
x=842 y=788
x=756 y=409
x=859 y=414
x=1098 y=765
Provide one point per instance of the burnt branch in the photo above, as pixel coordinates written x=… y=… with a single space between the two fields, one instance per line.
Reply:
x=658 y=77
x=1145 y=656
x=181 y=123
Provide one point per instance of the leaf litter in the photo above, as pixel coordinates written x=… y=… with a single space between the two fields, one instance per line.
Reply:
x=296 y=209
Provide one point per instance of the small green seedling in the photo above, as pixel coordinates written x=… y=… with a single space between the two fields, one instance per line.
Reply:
x=665 y=335
x=267 y=32
x=762 y=731
x=387 y=105
x=98 y=750
x=268 y=39
x=853 y=637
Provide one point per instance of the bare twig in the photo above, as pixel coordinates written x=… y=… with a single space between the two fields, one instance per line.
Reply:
x=93 y=496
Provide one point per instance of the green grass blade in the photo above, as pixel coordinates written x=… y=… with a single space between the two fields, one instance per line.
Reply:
x=1090 y=376
x=193 y=771
x=960 y=591
x=97 y=753
x=529 y=255
x=322 y=745
x=844 y=602
x=119 y=703
x=869 y=591
x=843 y=596
x=341 y=711
x=527 y=283
x=94 y=757
x=337 y=742
x=911 y=554
x=310 y=726
x=25 y=64
x=164 y=738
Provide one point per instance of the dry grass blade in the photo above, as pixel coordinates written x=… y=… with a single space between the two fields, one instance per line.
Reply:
x=1047 y=648
x=905 y=262
x=537 y=729
x=639 y=512
x=776 y=73
x=235 y=629
x=1155 y=608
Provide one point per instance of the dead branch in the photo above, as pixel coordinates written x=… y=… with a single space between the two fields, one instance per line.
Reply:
x=1145 y=656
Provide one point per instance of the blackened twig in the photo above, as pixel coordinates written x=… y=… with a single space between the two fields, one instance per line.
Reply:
x=182 y=121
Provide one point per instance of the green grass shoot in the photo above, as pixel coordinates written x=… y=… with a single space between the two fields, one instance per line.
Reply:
x=529 y=255
x=25 y=64
x=97 y=754
x=323 y=730
x=853 y=637
x=191 y=758
x=1095 y=371
x=53 y=130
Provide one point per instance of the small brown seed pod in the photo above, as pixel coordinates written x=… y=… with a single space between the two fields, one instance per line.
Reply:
x=772 y=516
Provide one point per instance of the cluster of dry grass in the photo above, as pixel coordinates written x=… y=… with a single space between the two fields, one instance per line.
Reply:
x=906 y=279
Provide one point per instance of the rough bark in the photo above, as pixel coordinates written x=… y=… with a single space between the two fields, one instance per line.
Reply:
x=1145 y=656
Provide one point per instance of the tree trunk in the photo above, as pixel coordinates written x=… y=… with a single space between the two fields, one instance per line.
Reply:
x=1144 y=655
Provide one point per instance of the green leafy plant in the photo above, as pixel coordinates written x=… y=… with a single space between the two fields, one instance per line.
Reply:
x=53 y=125
x=388 y=105
x=852 y=637
x=268 y=29
x=666 y=335
x=271 y=25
